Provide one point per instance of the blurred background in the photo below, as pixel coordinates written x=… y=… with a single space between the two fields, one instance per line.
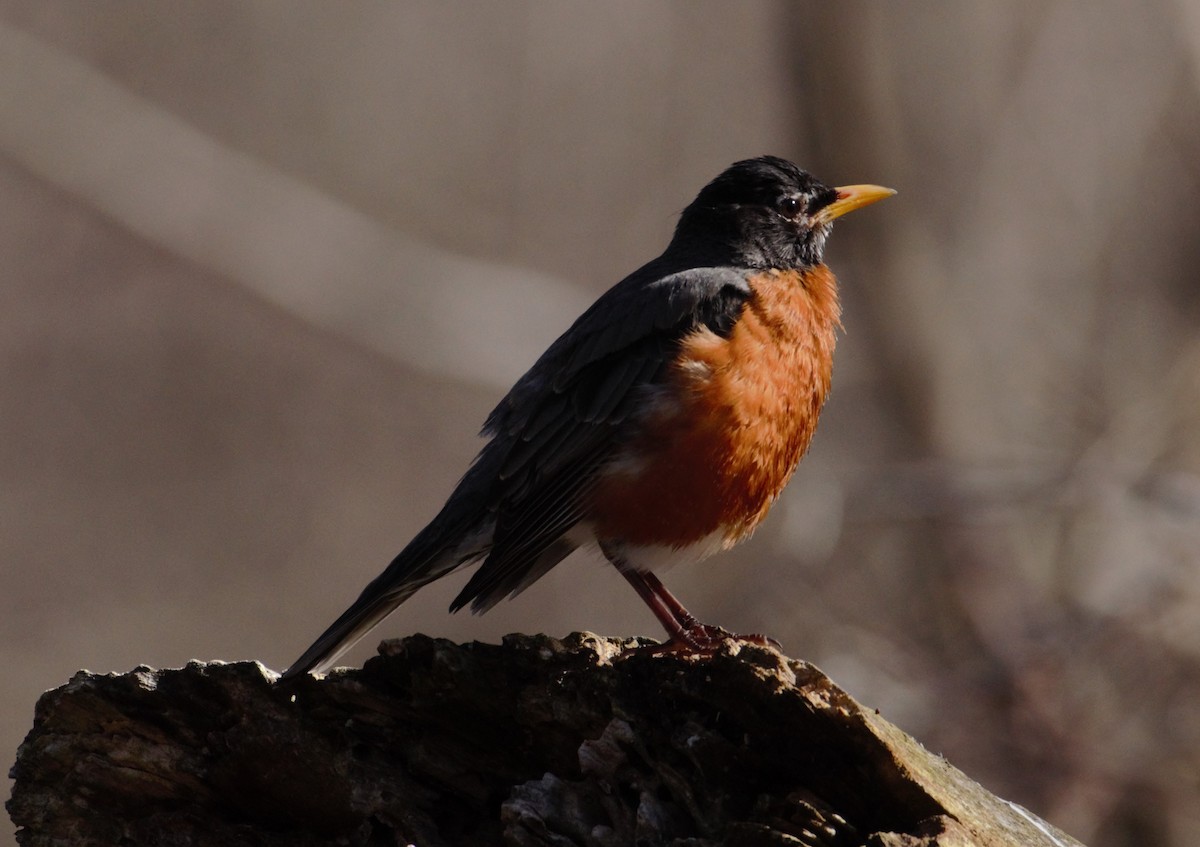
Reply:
x=267 y=266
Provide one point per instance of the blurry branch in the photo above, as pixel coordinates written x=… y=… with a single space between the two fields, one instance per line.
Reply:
x=318 y=258
x=1129 y=457
x=532 y=742
x=1189 y=33
x=940 y=488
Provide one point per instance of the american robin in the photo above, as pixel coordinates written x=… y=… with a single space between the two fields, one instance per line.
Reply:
x=661 y=426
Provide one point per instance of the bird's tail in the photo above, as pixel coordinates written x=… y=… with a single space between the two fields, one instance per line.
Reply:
x=343 y=634
x=419 y=564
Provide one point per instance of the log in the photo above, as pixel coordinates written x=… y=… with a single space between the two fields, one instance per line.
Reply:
x=535 y=741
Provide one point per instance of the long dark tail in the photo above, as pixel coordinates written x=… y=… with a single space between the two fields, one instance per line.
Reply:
x=344 y=633
x=435 y=551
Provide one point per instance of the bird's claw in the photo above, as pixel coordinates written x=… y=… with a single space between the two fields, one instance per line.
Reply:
x=700 y=639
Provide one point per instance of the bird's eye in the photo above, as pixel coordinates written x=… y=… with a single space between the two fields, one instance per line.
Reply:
x=790 y=207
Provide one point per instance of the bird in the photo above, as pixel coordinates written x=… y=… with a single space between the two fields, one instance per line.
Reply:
x=661 y=426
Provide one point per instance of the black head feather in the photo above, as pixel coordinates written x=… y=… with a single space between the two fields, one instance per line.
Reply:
x=758 y=213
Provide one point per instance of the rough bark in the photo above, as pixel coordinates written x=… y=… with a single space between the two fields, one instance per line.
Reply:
x=532 y=742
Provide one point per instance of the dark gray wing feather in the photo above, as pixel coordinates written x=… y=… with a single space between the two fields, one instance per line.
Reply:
x=548 y=437
x=563 y=419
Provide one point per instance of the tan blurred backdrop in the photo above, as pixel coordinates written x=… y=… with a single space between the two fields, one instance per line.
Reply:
x=267 y=265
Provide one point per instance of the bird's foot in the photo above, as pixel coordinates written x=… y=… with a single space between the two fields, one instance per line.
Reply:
x=701 y=639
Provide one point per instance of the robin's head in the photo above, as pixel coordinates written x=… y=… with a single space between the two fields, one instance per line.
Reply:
x=767 y=213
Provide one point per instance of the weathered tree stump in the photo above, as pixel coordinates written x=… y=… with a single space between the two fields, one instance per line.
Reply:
x=533 y=742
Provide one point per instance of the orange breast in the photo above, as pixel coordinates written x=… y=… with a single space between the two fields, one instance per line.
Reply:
x=736 y=417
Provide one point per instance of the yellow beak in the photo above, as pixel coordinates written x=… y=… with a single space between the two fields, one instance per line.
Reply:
x=851 y=197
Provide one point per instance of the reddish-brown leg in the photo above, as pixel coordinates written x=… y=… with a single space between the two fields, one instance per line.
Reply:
x=685 y=633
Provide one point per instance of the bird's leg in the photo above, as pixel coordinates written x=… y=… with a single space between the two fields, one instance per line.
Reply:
x=686 y=633
x=667 y=609
x=685 y=618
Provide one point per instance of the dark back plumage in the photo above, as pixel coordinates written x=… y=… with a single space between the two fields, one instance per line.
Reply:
x=553 y=432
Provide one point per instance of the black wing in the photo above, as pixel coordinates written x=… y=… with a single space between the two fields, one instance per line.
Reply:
x=548 y=437
x=563 y=419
